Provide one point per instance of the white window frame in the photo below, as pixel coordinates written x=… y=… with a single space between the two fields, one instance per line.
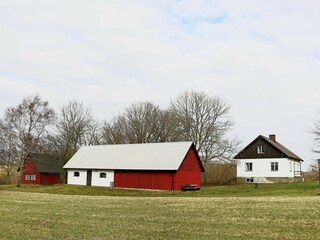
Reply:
x=30 y=177
x=261 y=149
x=274 y=166
x=249 y=166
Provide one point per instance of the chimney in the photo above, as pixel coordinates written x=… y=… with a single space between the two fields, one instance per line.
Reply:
x=272 y=137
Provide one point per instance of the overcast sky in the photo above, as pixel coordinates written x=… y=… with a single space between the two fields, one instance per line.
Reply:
x=262 y=57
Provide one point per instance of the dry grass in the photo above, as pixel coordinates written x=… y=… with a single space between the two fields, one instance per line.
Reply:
x=53 y=216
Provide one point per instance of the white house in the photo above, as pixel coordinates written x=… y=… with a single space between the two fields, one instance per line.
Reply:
x=265 y=160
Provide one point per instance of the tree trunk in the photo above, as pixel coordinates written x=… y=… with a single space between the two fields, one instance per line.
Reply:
x=19 y=175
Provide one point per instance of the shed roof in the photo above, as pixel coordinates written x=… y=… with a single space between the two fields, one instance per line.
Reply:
x=46 y=163
x=149 y=156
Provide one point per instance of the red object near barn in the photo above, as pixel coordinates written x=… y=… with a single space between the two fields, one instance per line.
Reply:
x=163 y=166
x=41 y=168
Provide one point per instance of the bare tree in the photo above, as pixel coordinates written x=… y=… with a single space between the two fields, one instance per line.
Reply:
x=142 y=122
x=205 y=121
x=75 y=127
x=168 y=127
x=8 y=150
x=316 y=133
x=28 y=122
x=193 y=116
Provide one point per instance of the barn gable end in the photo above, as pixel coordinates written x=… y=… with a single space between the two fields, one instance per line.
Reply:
x=189 y=171
x=30 y=174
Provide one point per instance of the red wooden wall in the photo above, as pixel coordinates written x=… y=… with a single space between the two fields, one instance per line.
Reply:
x=143 y=179
x=50 y=178
x=41 y=178
x=30 y=168
x=188 y=173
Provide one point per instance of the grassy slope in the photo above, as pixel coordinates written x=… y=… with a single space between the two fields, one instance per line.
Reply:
x=26 y=215
x=292 y=189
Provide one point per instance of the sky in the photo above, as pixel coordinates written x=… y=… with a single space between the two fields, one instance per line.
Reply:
x=262 y=57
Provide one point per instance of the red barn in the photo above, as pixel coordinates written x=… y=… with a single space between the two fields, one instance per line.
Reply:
x=41 y=169
x=164 y=166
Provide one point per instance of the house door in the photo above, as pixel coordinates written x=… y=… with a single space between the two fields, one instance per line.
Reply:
x=89 y=177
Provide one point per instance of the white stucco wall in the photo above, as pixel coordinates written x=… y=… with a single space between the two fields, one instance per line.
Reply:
x=262 y=167
x=102 y=182
x=81 y=180
x=95 y=180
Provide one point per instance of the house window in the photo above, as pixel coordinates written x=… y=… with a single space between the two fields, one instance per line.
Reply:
x=30 y=177
x=249 y=166
x=274 y=166
x=76 y=174
x=261 y=149
x=290 y=166
x=103 y=175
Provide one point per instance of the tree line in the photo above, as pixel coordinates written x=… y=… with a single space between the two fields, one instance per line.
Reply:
x=33 y=126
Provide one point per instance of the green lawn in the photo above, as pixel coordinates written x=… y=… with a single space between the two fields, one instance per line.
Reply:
x=25 y=215
x=293 y=189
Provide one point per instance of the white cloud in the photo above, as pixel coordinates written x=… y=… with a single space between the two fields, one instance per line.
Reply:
x=258 y=55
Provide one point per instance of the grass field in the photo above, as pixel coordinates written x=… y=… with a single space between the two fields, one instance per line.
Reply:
x=274 y=211
x=247 y=190
x=26 y=215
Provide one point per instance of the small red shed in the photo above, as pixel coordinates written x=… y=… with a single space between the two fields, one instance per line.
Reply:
x=41 y=168
x=164 y=166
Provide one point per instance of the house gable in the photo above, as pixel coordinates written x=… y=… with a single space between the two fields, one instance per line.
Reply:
x=251 y=151
x=271 y=149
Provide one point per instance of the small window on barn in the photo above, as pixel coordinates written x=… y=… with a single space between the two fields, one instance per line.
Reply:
x=103 y=175
x=32 y=177
x=261 y=149
x=27 y=177
x=76 y=174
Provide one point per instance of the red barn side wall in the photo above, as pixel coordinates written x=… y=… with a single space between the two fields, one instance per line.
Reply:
x=30 y=168
x=50 y=178
x=145 y=179
x=189 y=171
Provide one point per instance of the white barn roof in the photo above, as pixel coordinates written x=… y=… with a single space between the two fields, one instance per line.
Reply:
x=150 y=156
